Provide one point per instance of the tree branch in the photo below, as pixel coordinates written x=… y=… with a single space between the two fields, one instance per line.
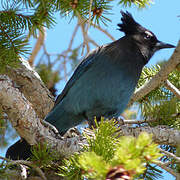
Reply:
x=85 y=39
x=85 y=31
x=172 y=88
x=161 y=134
x=135 y=121
x=171 y=155
x=159 y=78
x=30 y=84
x=24 y=119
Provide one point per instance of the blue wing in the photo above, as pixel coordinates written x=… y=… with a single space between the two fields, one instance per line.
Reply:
x=83 y=67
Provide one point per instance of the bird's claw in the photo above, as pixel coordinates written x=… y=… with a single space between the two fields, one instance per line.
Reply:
x=120 y=120
x=51 y=127
x=72 y=132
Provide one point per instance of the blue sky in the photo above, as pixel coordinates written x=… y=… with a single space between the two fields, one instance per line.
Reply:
x=161 y=18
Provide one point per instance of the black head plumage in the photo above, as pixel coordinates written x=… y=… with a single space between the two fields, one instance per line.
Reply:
x=129 y=26
x=145 y=40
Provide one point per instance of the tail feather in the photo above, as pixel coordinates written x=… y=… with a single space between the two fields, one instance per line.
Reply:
x=19 y=150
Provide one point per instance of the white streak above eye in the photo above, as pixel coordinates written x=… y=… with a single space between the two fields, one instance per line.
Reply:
x=148 y=33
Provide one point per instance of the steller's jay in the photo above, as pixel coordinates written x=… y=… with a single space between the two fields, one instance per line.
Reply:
x=104 y=81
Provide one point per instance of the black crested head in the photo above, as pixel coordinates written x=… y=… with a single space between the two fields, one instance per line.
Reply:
x=143 y=38
x=129 y=26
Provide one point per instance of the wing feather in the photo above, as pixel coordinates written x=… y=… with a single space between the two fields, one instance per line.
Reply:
x=80 y=70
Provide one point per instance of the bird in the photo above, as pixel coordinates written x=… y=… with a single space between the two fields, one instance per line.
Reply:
x=103 y=83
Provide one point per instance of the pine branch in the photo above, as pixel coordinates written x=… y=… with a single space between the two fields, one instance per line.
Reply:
x=13 y=43
x=8 y=37
x=159 y=78
x=138 y=3
x=24 y=119
x=17 y=21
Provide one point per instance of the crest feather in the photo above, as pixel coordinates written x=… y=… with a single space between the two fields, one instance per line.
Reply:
x=129 y=25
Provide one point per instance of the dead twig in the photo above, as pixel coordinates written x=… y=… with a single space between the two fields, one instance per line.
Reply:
x=37 y=47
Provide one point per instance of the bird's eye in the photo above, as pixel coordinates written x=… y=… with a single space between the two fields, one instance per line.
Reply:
x=147 y=35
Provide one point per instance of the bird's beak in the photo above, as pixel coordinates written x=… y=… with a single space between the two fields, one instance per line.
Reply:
x=162 y=45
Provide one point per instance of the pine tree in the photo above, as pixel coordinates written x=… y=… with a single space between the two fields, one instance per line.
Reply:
x=106 y=152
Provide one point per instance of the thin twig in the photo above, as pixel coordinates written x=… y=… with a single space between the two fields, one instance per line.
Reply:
x=64 y=58
x=27 y=163
x=171 y=155
x=86 y=31
x=163 y=166
x=92 y=41
x=85 y=39
x=73 y=35
x=89 y=19
x=65 y=70
x=68 y=50
x=47 y=54
x=81 y=22
x=172 y=88
x=3 y=158
x=37 y=47
x=134 y=121
x=104 y=31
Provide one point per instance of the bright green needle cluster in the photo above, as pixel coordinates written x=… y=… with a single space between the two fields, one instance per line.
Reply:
x=108 y=155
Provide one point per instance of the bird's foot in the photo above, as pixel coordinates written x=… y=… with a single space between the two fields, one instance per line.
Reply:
x=119 y=120
x=51 y=127
x=72 y=132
